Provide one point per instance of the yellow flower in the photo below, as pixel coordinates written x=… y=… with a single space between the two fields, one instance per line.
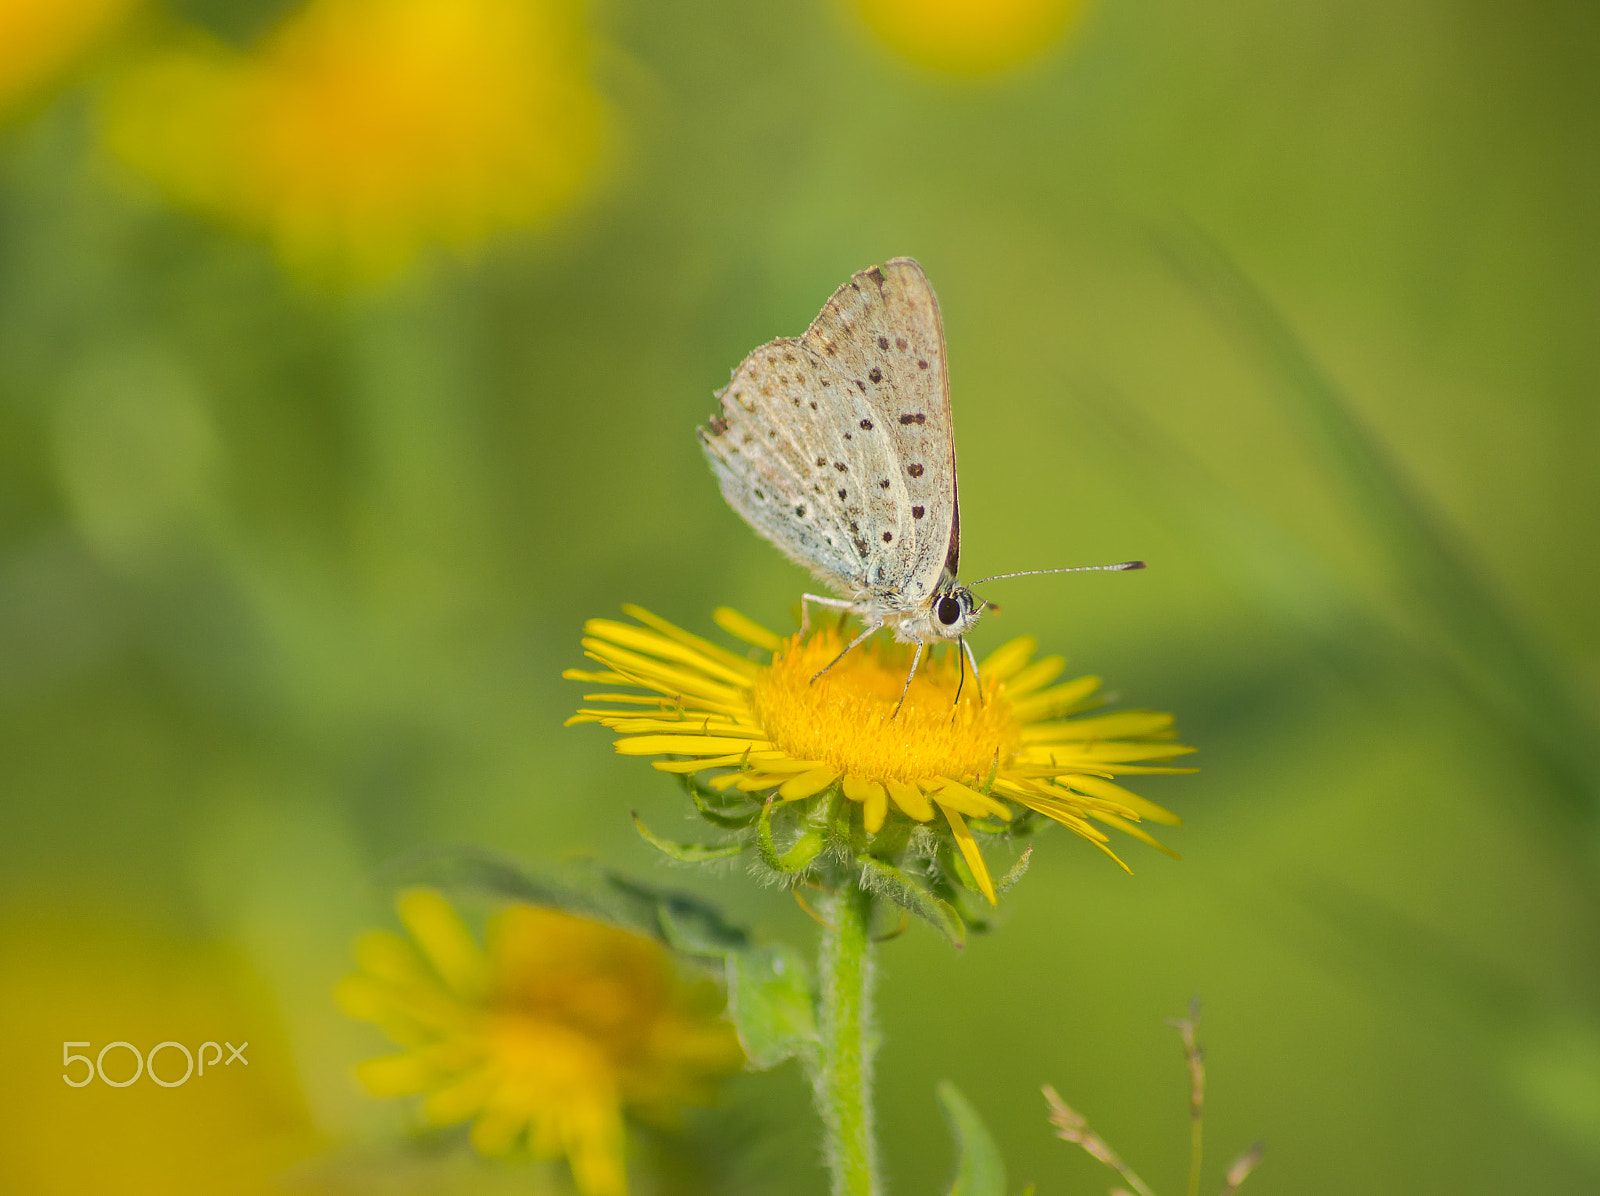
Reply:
x=554 y=1031
x=360 y=131
x=969 y=37
x=769 y=728
x=39 y=39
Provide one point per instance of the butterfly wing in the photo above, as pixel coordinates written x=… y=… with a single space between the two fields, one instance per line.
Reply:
x=838 y=447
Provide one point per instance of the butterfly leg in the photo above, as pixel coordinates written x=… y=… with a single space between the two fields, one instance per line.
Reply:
x=973 y=661
x=805 y=615
x=916 y=659
x=847 y=648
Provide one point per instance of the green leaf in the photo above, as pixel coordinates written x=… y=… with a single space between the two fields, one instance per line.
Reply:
x=772 y=1003
x=912 y=893
x=683 y=921
x=979 y=1169
x=1508 y=671
x=585 y=889
x=1018 y=870
x=692 y=933
x=800 y=854
x=702 y=798
x=687 y=853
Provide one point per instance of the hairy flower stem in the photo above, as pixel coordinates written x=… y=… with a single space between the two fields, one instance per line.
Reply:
x=842 y=1074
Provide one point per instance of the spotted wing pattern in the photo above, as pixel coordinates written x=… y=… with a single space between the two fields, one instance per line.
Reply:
x=837 y=446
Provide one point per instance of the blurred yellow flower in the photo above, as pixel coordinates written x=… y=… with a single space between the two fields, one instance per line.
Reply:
x=771 y=728
x=969 y=37
x=39 y=39
x=361 y=131
x=553 y=1032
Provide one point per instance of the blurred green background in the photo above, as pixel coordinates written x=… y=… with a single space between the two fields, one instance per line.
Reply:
x=1296 y=302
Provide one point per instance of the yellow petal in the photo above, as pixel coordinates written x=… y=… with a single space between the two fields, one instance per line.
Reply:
x=874 y=800
x=1052 y=703
x=788 y=765
x=748 y=630
x=1115 y=858
x=808 y=784
x=967 y=800
x=704 y=724
x=911 y=800
x=657 y=645
x=1116 y=751
x=970 y=852
x=1114 y=792
x=1040 y=672
x=876 y=809
x=735 y=758
x=1142 y=770
x=749 y=782
x=1125 y=724
x=641 y=670
x=684 y=745
x=856 y=788
x=1009 y=658
x=606 y=678
x=738 y=663
x=445 y=941
x=389 y=957
x=1071 y=819
x=1138 y=832
x=592 y=1136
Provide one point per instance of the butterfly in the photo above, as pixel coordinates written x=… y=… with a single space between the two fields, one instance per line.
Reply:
x=837 y=446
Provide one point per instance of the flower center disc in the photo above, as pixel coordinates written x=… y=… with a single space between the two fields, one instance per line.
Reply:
x=847 y=720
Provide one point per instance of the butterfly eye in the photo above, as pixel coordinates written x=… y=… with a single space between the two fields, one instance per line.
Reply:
x=949 y=611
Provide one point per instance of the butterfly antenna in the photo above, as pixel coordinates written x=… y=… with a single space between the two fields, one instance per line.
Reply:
x=1119 y=568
